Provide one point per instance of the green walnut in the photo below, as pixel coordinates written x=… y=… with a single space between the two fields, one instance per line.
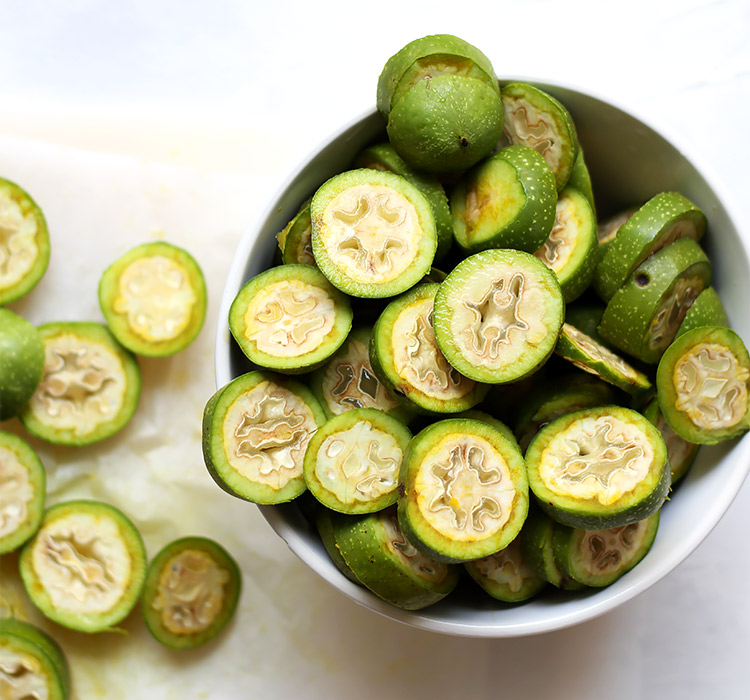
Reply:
x=21 y=362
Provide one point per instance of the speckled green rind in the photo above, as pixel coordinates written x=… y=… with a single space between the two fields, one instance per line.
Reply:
x=295 y=240
x=9 y=191
x=487 y=570
x=581 y=180
x=383 y=156
x=631 y=319
x=660 y=221
x=354 y=355
x=382 y=346
x=420 y=263
x=446 y=124
x=324 y=524
x=681 y=453
x=118 y=322
x=100 y=334
x=214 y=448
x=37 y=481
x=316 y=461
x=514 y=193
x=21 y=362
x=640 y=502
x=440 y=45
x=555 y=115
x=678 y=419
x=417 y=528
x=23 y=638
x=607 y=230
x=576 y=272
x=707 y=310
x=364 y=545
x=567 y=544
x=301 y=363
x=591 y=356
x=452 y=293
x=82 y=621
x=231 y=592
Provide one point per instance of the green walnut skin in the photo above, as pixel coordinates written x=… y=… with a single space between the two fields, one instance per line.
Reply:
x=681 y=453
x=295 y=240
x=706 y=310
x=580 y=180
x=21 y=362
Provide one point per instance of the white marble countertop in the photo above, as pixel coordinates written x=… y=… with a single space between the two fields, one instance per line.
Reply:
x=212 y=106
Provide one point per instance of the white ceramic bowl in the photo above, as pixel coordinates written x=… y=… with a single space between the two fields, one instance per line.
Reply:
x=629 y=162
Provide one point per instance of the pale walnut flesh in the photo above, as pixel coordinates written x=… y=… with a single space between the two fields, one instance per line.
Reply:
x=607 y=230
x=678 y=449
x=506 y=567
x=418 y=359
x=266 y=431
x=18 y=247
x=359 y=464
x=304 y=248
x=289 y=318
x=598 y=458
x=711 y=386
x=605 y=551
x=16 y=492
x=156 y=296
x=349 y=382
x=190 y=593
x=465 y=488
x=423 y=566
x=83 y=385
x=371 y=232
x=671 y=313
x=561 y=243
x=598 y=353
x=525 y=124
x=21 y=676
x=82 y=563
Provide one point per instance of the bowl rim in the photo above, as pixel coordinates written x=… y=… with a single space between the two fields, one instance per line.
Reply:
x=629 y=587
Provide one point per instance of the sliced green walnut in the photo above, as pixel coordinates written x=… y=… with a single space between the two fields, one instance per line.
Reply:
x=352 y=462
x=347 y=381
x=505 y=575
x=497 y=315
x=255 y=433
x=22 y=492
x=324 y=524
x=289 y=318
x=463 y=492
x=385 y=562
x=383 y=156
x=295 y=240
x=534 y=118
x=643 y=316
x=591 y=356
x=24 y=243
x=85 y=567
x=607 y=230
x=706 y=310
x=191 y=592
x=506 y=201
x=373 y=233
x=662 y=220
x=580 y=180
x=407 y=359
x=681 y=453
x=703 y=385
x=90 y=387
x=570 y=249
x=599 y=468
x=32 y=665
x=600 y=557
x=21 y=362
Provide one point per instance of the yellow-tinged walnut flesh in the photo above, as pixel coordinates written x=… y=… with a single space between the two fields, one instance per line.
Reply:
x=18 y=247
x=596 y=458
x=525 y=124
x=82 y=563
x=671 y=312
x=191 y=592
x=16 y=492
x=678 y=449
x=597 y=353
x=84 y=384
x=349 y=382
x=607 y=230
x=22 y=676
x=464 y=488
x=266 y=431
x=422 y=565
x=605 y=551
x=372 y=232
x=561 y=243
x=506 y=567
x=289 y=318
x=359 y=464
x=711 y=386
x=418 y=359
x=157 y=297
x=304 y=247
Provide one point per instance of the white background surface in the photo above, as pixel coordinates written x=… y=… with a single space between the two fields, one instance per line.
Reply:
x=143 y=119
